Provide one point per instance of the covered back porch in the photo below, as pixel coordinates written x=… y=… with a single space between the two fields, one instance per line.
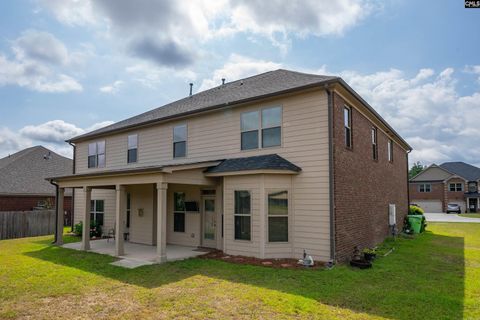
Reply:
x=149 y=209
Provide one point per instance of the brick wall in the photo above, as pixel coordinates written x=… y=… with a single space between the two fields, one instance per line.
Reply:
x=27 y=203
x=437 y=191
x=363 y=187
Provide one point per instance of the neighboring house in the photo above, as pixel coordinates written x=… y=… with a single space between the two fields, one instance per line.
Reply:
x=451 y=182
x=267 y=166
x=22 y=179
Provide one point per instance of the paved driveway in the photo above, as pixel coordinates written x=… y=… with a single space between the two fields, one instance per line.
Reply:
x=443 y=217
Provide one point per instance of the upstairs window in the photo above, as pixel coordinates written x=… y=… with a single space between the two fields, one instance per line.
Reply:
x=271 y=127
x=249 y=125
x=180 y=141
x=347 y=122
x=374 y=144
x=132 y=152
x=96 y=154
x=268 y=123
x=425 y=187
x=390 y=150
x=454 y=187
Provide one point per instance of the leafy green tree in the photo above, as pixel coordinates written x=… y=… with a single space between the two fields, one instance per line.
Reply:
x=416 y=168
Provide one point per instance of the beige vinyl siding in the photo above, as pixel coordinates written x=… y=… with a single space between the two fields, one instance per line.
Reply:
x=216 y=135
x=97 y=194
x=141 y=227
x=192 y=234
x=242 y=247
x=432 y=174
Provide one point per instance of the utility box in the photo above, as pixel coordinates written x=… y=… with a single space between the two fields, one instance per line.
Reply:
x=392 y=215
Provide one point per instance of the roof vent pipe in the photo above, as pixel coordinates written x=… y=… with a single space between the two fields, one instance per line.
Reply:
x=191 y=88
x=223 y=81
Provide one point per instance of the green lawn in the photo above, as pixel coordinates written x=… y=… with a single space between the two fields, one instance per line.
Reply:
x=435 y=276
x=470 y=215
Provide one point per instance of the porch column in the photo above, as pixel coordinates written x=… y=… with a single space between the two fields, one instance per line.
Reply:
x=60 y=216
x=162 y=222
x=219 y=207
x=120 y=207
x=87 y=196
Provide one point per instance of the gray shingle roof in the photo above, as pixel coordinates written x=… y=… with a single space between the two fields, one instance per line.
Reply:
x=462 y=169
x=262 y=85
x=24 y=172
x=265 y=162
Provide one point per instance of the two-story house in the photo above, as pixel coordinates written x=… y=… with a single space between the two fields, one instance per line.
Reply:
x=451 y=182
x=267 y=166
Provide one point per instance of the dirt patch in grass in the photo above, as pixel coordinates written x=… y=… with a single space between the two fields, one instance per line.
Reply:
x=270 y=263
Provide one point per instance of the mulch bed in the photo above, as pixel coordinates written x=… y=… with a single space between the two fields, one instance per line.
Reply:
x=271 y=263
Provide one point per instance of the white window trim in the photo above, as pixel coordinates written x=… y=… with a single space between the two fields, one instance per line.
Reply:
x=455 y=185
x=128 y=148
x=349 y=127
x=94 y=211
x=260 y=128
x=374 y=138
x=186 y=141
x=289 y=219
x=178 y=211
x=243 y=215
x=425 y=187
x=390 y=150
x=97 y=154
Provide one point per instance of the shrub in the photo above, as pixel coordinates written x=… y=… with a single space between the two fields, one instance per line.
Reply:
x=78 y=228
x=95 y=229
x=415 y=210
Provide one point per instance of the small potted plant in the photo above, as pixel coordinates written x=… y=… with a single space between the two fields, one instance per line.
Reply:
x=369 y=254
x=359 y=262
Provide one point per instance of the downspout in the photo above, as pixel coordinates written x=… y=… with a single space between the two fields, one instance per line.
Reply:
x=408 y=181
x=72 y=212
x=330 y=173
x=56 y=211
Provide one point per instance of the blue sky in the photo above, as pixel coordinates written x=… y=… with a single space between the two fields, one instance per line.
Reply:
x=67 y=67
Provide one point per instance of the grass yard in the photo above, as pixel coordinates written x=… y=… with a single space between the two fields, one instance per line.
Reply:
x=470 y=215
x=435 y=276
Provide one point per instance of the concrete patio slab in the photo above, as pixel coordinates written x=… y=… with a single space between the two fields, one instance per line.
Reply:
x=136 y=254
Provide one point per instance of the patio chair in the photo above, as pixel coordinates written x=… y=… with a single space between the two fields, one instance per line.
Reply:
x=110 y=233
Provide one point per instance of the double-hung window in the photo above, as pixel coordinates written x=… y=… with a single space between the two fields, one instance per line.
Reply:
x=249 y=125
x=456 y=187
x=97 y=210
x=96 y=154
x=425 y=187
x=390 y=150
x=278 y=216
x=271 y=127
x=242 y=215
x=374 y=144
x=132 y=152
x=179 y=212
x=180 y=141
x=347 y=122
x=263 y=126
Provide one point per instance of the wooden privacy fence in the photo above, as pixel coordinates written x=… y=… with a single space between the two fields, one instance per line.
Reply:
x=19 y=224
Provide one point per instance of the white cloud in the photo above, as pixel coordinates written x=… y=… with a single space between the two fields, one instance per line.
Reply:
x=51 y=134
x=151 y=75
x=238 y=67
x=427 y=110
x=112 y=88
x=38 y=59
x=166 y=32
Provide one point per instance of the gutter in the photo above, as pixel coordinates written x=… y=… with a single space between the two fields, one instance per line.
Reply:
x=408 y=181
x=56 y=211
x=330 y=173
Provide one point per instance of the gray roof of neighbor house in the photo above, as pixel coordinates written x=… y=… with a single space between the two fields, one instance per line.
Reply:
x=260 y=86
x=462 y=169
x=24 y=172
x=265 y=162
